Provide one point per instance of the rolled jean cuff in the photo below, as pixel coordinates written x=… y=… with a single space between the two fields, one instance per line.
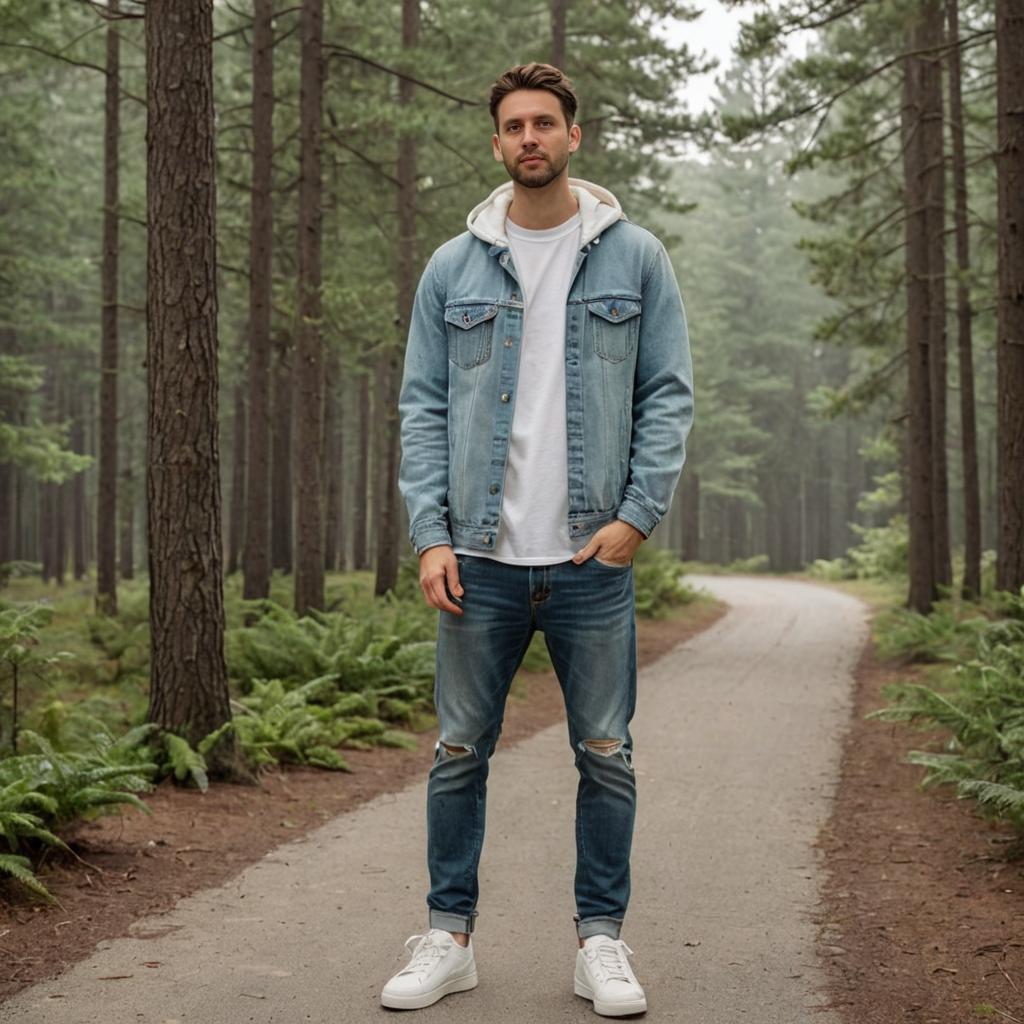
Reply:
x=597 y=926
x=452 y=922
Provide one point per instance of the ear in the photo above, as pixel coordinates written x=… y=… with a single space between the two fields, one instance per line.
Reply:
x=574 y=138
x=496 y=148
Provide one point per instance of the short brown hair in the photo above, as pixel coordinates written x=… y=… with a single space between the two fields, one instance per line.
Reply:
x=535 y=76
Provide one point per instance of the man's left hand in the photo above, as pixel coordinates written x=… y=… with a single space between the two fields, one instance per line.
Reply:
x=615 y=543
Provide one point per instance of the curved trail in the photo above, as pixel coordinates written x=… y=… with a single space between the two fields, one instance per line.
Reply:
x=737 y=745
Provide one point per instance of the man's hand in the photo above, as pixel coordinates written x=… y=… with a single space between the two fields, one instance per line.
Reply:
x=438 y=567
x=616 y=542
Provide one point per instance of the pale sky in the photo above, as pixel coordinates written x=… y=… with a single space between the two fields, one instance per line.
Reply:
x=714 y=32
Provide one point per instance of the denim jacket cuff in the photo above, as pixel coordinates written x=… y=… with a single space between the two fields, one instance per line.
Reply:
x=430 y=534
x=637 y=514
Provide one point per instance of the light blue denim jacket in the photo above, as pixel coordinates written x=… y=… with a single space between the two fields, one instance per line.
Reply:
x=628 y=374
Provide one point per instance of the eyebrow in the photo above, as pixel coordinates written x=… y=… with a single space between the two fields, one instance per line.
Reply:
x=528 y=117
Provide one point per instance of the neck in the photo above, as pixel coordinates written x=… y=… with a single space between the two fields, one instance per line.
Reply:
x=539 y=208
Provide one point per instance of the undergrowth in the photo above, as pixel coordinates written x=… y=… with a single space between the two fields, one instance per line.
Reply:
x=977 y=695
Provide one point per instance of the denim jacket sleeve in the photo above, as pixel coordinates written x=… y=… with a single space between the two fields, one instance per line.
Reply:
x=423 y=410
x=662 y=399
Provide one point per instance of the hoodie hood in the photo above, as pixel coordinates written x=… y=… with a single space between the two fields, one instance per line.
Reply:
x=599 y=209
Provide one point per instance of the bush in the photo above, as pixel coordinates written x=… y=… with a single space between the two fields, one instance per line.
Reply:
x=982 y=706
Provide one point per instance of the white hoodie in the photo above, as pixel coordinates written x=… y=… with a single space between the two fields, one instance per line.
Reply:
x=599 y=209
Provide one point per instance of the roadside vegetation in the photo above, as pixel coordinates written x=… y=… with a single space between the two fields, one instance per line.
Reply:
x=966 y=673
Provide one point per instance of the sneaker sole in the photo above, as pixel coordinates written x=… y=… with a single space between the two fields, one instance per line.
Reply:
x=462 y=984
x=623 y=1009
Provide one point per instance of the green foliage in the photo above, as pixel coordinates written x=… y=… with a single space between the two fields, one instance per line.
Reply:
x=944 y=635
x=306 y=723
x=981 y=703
x=39 y=791
x=882 y=554
x=657 y=581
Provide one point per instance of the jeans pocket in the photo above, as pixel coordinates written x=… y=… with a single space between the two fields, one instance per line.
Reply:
x=613 y=565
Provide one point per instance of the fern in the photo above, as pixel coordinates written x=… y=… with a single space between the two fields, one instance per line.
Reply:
x=981 y=704
x=20 y=869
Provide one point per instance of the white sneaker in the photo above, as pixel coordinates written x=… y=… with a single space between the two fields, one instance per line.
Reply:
x=439 y=965
x=603 y=975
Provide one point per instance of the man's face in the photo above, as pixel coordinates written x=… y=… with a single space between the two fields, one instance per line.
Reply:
x=533 y=140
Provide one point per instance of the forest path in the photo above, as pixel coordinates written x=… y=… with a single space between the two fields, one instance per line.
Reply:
x=738 y=739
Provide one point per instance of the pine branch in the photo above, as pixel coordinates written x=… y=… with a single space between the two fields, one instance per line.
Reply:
x=74 y=63
x=335 y=50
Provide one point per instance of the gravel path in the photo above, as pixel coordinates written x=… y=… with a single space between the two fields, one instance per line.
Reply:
x=737 y=745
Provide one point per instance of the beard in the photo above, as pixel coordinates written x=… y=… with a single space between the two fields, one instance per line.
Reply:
x=536 y=177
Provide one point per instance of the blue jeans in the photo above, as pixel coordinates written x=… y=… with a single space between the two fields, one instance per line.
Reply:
x=586 y=613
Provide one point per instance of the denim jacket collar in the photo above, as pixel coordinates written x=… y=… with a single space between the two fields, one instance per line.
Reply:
x=599 y=209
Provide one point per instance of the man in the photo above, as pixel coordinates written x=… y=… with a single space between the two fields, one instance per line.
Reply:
x=545 y=406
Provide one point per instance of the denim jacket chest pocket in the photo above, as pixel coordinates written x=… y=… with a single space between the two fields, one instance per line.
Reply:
x=614 y=325
x=470 y=327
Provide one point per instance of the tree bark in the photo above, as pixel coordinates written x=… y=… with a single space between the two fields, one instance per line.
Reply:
x=188 y=674
x=256 y=557
x=971 y=587
x=920 y=464
x=281 y=468
x=309 y=363
x=360 y=499
x=933 y=181
x=691 y=517
x=559 y=9
x=236 y=527
x=1010 y=312
x=332 y=463
x=106 y=502
x=390 y=371
x=126 y=503
x=76 y=439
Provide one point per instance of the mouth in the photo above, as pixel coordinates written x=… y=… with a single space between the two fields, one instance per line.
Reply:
x=532 y=160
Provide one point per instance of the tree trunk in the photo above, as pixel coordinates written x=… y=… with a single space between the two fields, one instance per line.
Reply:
x=126 y=502
x=80 y=562
x=60 y=524
x=332 y=461
x=309 y=362
x=360 y=499
x=281 y=468
x=916 y=254
x=256 y=557
x=236 y=528
x=1010 y=315
x=106 y=510
x=933 y=180
x=387 y=516
x=188 y=675
x=691 y=517
x=559 y=8
x=971 y=588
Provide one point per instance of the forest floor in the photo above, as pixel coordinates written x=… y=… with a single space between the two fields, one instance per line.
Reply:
x=922 y=913
x=921 y=917
x=133 y=865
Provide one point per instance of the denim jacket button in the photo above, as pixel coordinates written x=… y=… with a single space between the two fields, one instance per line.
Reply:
x=493 y=488
x=508 y=343
x=505 y=396
x=487 y=538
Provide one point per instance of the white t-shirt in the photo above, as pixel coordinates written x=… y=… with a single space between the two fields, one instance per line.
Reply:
x=535 y=503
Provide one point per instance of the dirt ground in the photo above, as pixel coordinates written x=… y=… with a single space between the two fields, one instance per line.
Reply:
x=132 y=865
x=923 y=916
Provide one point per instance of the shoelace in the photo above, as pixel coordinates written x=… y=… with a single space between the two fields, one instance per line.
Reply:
x=611 y=958
x=425 y=955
